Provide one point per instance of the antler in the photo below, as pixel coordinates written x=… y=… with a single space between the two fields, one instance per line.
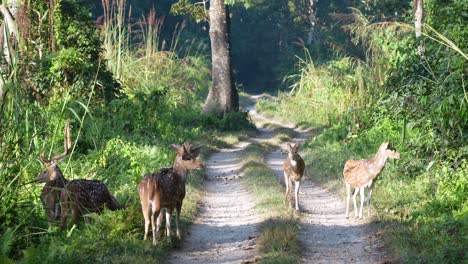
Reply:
x=193 y=151
x=66 y=142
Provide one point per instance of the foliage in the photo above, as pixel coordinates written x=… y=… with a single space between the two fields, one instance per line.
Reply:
x=115 y=139
x=74 y=61
x=418 y=103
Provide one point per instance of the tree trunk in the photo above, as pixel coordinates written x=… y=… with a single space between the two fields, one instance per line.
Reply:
x=222 y=97
x=418 y=23
x=419 y=16
x=311 y=17
x=7 y=41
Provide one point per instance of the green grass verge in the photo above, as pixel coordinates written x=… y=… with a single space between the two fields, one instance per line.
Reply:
x=277 y=241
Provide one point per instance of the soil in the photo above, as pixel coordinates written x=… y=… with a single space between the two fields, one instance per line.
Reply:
x=226 y=227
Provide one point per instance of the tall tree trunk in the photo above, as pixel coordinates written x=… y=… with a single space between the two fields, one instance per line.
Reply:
x=419 y=16
x=222 y=97
x=418 y=6
x=7 y=41
x=311 y=17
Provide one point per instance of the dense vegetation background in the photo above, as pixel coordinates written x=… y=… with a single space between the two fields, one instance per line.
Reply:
x=133 y=80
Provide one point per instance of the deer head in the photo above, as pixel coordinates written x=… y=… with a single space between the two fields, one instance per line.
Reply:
x=187 y=157
x=385 y=150
x=292 y=150
x=52 y=171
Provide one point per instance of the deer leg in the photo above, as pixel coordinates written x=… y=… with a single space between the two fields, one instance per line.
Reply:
x=159 y=220
x=178 y=210
x=296 y=193
x=76 y=213
x=64 y=216
x=356 y=191
x=348 y=197
x=155 y=214
x=56 y=211
x=168 y=223
x=286 y=182
x=145 y=211
x=368 y=200
x=362 y=201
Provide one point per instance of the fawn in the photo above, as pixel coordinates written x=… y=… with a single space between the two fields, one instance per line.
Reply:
x=166 y=190
x=361 y=174
x=293 y=168
x=82 y=195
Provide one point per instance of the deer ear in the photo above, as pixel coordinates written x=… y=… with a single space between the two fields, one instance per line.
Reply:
x=288 y=146
x=175 y=147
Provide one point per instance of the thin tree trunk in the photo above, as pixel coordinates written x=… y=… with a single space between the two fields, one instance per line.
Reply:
x=7 y=41
x=222 y=97
x=419 y=16
x=312 y=19
x=418 y=23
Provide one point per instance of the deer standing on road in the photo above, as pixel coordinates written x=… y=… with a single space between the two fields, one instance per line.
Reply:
x=361 y=174
x=293 y=168
x=166 y=189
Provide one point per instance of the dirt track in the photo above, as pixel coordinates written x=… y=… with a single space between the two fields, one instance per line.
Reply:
x=226 y=227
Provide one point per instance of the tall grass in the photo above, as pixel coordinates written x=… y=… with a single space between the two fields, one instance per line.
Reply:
x=145 y=62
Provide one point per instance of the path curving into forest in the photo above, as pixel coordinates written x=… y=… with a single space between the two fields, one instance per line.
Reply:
x=227 y=224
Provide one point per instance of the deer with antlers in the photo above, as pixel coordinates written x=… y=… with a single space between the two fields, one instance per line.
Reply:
x=59 y=195
x=293 y=168
x=362 y=173
x=53 y=177
x=166 y=190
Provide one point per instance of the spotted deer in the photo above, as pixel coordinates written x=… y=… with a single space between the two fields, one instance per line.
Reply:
x=166 y=190
x=53 y=177
x=59 y=195
x=293 y=168
x=85 y=196
x=362 y=173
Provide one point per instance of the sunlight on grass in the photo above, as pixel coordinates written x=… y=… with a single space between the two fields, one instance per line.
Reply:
x=277 y=241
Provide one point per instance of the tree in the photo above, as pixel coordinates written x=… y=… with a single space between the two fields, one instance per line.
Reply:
x=306 y=11
x=222 y=97
x=418 y=23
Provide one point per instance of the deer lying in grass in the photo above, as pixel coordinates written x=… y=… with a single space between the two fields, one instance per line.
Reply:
x=86 y=196
x=58 y=195
x=55 y=182
x=293 y=168
x=166 y=189
x=361 y=174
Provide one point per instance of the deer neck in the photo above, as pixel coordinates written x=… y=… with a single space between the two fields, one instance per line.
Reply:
x=180 y=170
x=57 y=175
x=376 y=164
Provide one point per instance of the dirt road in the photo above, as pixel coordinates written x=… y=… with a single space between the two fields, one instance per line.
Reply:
x=226 y=227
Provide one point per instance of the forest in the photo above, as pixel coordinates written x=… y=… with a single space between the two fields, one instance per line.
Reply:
x=133 y=77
